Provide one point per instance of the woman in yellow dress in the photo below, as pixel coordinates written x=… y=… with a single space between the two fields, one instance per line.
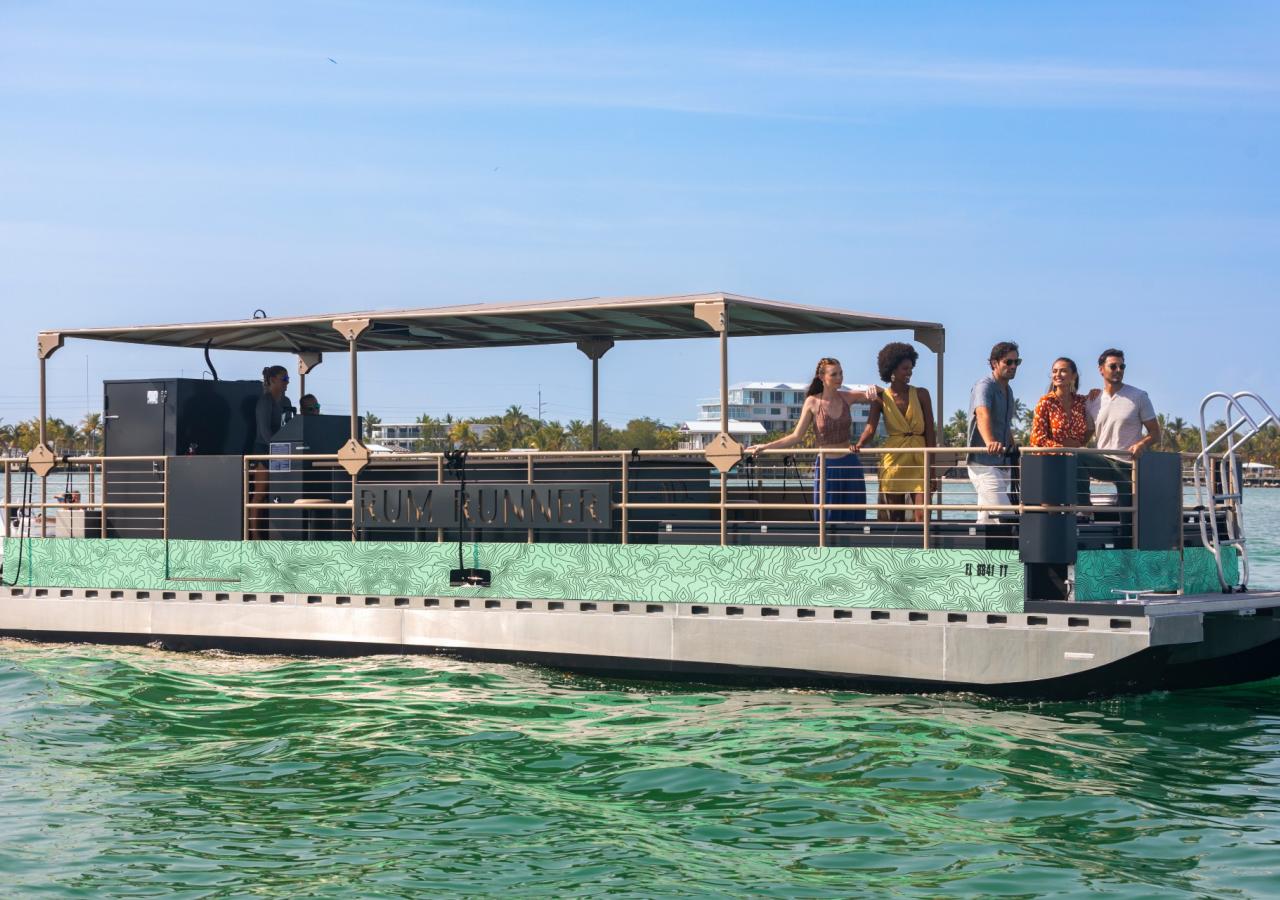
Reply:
x=908 y=421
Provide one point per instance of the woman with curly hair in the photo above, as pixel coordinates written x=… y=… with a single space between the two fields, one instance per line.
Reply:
x=826 y=410
x=908 y=420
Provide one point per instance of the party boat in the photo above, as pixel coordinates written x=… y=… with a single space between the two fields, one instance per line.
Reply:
x=670 y=564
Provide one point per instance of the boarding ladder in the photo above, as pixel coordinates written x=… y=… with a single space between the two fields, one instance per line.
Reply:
x=1218 y=483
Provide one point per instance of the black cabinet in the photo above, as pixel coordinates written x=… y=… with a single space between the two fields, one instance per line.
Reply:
x=167 y=417
x=205 y=498
x=293 y=483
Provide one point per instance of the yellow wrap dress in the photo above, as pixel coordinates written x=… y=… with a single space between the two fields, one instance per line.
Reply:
x=902 y=473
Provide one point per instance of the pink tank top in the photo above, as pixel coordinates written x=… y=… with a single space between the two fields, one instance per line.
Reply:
x=832 y=430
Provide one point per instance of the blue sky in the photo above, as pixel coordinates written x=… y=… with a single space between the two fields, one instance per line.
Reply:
x=1071 y=175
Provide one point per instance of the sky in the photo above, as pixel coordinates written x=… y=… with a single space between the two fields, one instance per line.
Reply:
x=1071 y=176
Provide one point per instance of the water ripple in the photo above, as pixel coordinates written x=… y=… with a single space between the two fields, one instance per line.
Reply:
x=136 y=772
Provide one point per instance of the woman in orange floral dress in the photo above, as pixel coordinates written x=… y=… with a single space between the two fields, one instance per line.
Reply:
x=1060 y=419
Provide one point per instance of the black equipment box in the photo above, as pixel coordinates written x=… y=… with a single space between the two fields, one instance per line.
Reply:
x=316 y=434
x=205 y=498
x=178 y=416
x=292 y=481
x=167 y=417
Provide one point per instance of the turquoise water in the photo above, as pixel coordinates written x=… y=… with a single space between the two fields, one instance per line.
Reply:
x=139 y=772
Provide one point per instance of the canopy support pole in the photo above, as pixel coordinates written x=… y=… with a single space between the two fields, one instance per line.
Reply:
x=355 y=391
x=723 y=452
x=935 y=338
x=307 y=360
x=41 y=458
x=939 y=407
x=354 y=455
x=594 y=348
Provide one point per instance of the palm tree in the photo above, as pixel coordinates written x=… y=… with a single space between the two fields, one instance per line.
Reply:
x=370 y=420
x=434 y=435
x=462 y=436
x=1022 y=416
x=90 y=428
x=550 y=436
x=578 y=434
x=59 y=435
x=956 y=432
x=517 y=425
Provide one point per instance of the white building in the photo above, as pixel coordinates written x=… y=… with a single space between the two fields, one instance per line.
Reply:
x=775 y=405
x=697 y=434
x=402 y=437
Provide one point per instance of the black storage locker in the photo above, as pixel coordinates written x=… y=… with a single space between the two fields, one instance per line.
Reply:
x=167 y=417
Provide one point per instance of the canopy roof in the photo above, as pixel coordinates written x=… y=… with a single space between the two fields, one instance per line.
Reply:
x=512 y=324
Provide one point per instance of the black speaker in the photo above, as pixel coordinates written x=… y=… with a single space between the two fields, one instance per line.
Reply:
x=1049 y=479
x=1158 y=497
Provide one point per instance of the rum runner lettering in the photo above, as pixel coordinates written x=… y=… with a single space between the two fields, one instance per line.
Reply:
x=407 y=506
x=583 y=505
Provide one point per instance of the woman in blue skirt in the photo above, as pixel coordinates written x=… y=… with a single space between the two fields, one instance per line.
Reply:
x=826 y=410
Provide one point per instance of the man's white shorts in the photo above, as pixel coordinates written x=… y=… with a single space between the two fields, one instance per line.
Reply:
x=992 y=485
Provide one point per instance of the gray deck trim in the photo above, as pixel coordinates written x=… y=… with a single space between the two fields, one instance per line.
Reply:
x=936 y=646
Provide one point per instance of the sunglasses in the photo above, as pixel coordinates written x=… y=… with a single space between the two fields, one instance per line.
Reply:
x=1116 y=367
x=1012 y=362
x=315 y=408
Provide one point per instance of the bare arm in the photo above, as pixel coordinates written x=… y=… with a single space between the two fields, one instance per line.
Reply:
x=795 y=437
x=873 y=420
x=1150 y=439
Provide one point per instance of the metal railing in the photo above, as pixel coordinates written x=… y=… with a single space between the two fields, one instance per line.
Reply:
x=666 y=495
x=87 y=496
x=1218 y=481
x=919 y=497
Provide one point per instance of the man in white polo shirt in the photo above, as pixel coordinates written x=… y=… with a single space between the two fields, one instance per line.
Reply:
x=1119 y=413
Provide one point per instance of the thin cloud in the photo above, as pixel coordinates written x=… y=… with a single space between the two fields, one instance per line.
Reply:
x=820 y=87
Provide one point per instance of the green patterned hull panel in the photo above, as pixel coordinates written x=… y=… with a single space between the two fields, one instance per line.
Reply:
x=965 y=580
x=1100 y=573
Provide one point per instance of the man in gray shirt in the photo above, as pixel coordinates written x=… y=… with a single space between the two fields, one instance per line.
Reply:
x=991 y=428
x=1119 y=413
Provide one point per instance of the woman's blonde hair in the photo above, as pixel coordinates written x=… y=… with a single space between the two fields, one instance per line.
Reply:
x=271 y=372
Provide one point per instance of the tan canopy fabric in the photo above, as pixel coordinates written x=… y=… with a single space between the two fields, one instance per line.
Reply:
x=510 y=325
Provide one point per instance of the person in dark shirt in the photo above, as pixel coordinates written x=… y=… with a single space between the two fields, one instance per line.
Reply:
x=268 y=416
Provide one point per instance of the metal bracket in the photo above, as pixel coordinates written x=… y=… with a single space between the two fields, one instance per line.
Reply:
x=42 y=460
x=595 y=347
x=711 y=312
x=353 y=456
x=47 y=343
x=308 y=360
x=933 y=338
x=351 y=328
x=723 y=452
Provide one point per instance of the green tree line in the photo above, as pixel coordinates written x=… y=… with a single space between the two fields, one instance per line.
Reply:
x=1178 y=435
x=517 y=429
x=63 y=437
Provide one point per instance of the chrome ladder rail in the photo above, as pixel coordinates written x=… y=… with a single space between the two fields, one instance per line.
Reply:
x=1227 y=492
